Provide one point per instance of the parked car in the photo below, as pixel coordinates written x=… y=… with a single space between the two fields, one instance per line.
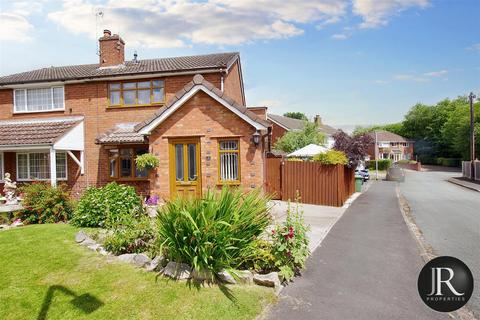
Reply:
x=395 y=173
x=363 y=172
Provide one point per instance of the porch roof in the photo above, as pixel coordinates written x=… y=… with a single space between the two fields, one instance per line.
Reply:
x=121 y=133
x=48 y=132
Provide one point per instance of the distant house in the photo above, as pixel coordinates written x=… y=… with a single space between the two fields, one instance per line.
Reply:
x=391 y=146
x=281 y=125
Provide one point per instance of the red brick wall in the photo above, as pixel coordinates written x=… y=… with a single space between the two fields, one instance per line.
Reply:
x=277 y=132
x=405 y=150
x=204 y=116
x=233 y=85
x=90 y=100
x=259 y=111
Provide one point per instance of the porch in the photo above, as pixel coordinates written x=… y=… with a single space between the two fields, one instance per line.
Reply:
x=41 y=149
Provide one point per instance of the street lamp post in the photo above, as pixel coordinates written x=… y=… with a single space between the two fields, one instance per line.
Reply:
x=376 y=156
x=472 y=97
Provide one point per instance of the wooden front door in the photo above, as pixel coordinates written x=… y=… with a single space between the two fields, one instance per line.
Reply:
x=185 y=177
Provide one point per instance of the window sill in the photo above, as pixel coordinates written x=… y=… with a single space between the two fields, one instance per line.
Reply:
x=38 y=111
x=160 y=104
x=39 y=180
x=128 y=179
x=229 y=183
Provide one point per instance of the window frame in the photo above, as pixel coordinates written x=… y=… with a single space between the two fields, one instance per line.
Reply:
x=219 y=153
x=2 y=166
x=15 y=111
x=29 y=169
x=136 y=89
x=133 y=169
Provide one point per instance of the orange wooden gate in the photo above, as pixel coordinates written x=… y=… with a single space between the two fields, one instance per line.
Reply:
x=312 y=182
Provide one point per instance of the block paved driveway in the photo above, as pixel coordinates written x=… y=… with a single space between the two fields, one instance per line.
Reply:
x=365 y=268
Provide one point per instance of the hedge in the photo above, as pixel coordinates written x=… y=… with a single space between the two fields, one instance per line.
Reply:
x=383 y=164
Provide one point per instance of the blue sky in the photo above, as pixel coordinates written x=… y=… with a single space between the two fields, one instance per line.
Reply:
x=351 y=61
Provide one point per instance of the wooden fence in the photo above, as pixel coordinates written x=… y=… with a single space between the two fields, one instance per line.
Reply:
x=329 y=185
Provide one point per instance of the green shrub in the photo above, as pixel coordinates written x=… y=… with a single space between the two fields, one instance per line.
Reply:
x=134 y=236
x=215 y=232
x=45 y=204
x=107 y=206
x=290 y=243
x=427 y=159
x=331 y=157
x=383 y=164
x=147 y=161
x=407 y=161
x=449 y=162
x=261 y=258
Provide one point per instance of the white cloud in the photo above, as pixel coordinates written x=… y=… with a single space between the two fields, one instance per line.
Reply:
x=424 y=77
x=376 y=13
x=474 y=47
x=339 y=36
x=166 y=23
x=14 y=27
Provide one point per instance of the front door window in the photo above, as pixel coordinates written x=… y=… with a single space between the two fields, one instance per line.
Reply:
x=185 y=168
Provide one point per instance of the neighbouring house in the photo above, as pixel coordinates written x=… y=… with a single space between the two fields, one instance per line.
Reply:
x=84 y=125
x=282 y=124
x=390 y=146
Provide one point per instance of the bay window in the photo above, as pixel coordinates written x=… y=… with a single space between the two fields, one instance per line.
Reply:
x=122 y=163
x=36 y=166
x=136 y=93
x=229 y=161
x=38 y=99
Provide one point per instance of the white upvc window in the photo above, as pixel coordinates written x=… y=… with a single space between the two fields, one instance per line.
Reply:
x=2 y=168
x=38 y=99
x=36 y=166
x=229 y=161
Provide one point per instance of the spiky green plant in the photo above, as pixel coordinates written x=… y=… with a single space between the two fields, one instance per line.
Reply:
x=215 y=232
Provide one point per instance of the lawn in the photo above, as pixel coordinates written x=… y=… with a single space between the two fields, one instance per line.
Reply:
x=44 y=274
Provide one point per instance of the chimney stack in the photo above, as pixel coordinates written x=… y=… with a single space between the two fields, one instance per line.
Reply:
x=318 y=120
x=112 y=49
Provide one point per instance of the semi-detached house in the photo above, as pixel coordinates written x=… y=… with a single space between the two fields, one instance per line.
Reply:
x=84 y=125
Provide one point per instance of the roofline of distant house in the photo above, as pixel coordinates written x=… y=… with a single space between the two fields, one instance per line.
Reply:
x=278 y=123
x=126 y=76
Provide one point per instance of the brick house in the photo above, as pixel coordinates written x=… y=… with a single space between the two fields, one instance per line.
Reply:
x=391 y=146
x=84 y=125
x=282 y=124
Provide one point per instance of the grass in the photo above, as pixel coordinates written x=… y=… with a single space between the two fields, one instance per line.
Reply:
x=44 y=274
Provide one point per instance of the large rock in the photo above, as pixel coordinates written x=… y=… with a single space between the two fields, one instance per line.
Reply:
x=94 y=247
x=178 y=271
x=156 y=264
x=81 y=236
x=226 y=277
x=267 y=280
x=88 y=242
x=141 y=260
x=244 y=276
x=127 y=257
x=202 y=275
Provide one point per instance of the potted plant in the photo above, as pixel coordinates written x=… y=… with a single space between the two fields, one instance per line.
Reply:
x=147 y=161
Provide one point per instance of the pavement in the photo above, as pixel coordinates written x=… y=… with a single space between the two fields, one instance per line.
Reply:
x=448 y=216
x=320 y=219
x=366 y=267
x=475 y=186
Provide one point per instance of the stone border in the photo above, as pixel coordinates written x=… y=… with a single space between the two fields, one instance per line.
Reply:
x=182 y=271
x=426 y=250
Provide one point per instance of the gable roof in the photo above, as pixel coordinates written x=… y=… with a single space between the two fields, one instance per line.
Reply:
x=383 y=135
x=35 y=131
x=296 y=124
x=193 y=64
x=200 y=84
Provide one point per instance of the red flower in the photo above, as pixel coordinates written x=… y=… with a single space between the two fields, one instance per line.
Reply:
x=273 y=231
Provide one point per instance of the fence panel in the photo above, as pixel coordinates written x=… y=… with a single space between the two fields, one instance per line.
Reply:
x=273 y=183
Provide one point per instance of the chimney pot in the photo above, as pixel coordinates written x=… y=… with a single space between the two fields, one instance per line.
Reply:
x=107 y=33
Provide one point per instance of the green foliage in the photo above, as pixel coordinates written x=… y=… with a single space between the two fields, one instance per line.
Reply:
x=107 y=206
x=403 y=161
x=147 y=161
x=215 y=232
x=44 y=203
x=134 y=235
x=261 y=258
x=294 y=140
x=383 y=164
x=449 y=162
x=290 y=243
x=296 y=115
x=331 y=157
x=396 y=128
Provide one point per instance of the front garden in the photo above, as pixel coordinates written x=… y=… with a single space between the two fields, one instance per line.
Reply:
x=219 y=245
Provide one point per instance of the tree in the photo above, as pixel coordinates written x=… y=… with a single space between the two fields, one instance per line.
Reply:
x=355 y=147
x=396 y=128
x=296 y=115
x=294 y=140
